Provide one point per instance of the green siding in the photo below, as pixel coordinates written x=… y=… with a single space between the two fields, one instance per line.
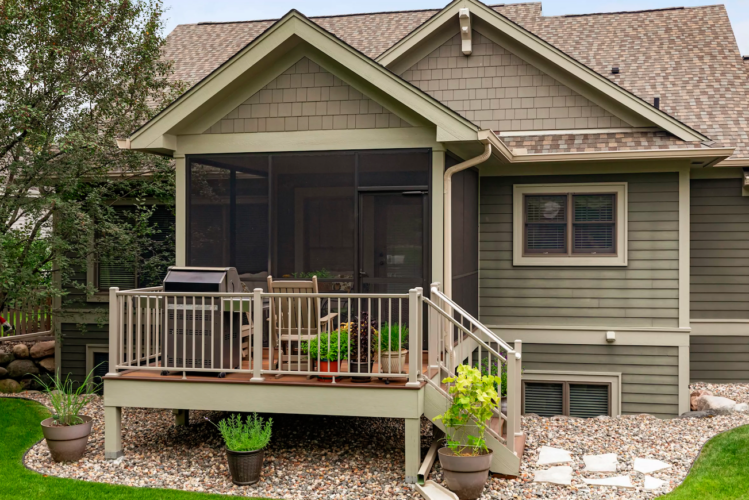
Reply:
x=74 y=341
x=719 y=359
x=650 y=374
x=643 y=294
x=719 y=250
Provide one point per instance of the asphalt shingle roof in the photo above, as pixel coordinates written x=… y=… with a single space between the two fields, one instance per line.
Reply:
x=686 y=56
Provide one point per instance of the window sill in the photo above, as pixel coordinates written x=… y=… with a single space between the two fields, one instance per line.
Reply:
x=582 y=261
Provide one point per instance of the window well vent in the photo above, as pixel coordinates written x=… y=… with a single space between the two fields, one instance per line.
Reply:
x=545 y=400
x=589 y=400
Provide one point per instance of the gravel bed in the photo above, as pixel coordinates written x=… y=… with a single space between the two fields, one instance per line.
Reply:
x=359 y=458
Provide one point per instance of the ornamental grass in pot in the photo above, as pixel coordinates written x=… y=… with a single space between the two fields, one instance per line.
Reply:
x=66 y=431
x=245 y=446
x=393 y=343
x=466 y=459
x=328 y=350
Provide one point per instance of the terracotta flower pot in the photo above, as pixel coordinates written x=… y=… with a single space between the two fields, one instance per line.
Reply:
x=67 y=442
x=245 y=466
x=393 y=361
x=465 y=476
x=327 y=366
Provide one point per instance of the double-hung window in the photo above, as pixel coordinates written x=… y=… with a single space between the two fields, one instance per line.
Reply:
x=570 y=224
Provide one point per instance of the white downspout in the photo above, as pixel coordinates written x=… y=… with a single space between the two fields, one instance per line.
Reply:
x=448 y=223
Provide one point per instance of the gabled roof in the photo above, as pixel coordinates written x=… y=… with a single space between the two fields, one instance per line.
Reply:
x=686 y=56
x=284 y=36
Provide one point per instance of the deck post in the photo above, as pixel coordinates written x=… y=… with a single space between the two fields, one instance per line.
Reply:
x=257 y=336
x=181 y=418
x=112 y=432
x=511 y=401
x=434 y=326
x=114 y=325
x=415 y=318
x=413 y=449
x=518 y=387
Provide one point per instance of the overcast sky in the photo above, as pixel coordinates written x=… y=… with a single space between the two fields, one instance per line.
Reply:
x=194 y=11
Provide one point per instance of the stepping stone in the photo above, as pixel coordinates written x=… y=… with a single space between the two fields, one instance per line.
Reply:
x=653 y=483
x=648 y=465
x=550 y=455
x=619 y=482
x=600 y=463
x=555 y=475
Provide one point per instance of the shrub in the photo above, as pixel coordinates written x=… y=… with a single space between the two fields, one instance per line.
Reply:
x=251 y=435
x=474 y=399
x=332 y=346
x=393 y=337
x=66 y=398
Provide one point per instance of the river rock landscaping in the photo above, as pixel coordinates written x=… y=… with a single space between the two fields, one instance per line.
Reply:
x=21 y=362
x=334 y=457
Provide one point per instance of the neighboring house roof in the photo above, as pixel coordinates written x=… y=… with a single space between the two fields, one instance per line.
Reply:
x=686 y=56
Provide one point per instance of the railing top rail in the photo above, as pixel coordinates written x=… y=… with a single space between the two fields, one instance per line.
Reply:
x=493 y=336
x=461 y=327
x=158 y=292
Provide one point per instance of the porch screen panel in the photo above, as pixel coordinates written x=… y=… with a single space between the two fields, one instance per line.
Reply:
x=210 y=212
x=251 y=218
x=394 y=168
x=313 y=215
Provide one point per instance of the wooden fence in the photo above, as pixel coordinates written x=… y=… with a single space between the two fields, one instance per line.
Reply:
x=31 y=319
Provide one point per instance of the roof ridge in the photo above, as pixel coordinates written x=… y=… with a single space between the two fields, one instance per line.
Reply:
x=436 y=9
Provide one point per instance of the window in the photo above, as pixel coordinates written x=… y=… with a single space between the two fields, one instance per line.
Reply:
x=570 y=225
x=97 y=360
x=548 y=399
x=575 y=394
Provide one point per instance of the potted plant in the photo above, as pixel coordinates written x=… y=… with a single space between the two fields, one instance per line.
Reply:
x=66 y=431
x=466 y=459
x=363 y=339
x=501 y=387
x=328 y=349
x=393 y=340
x=245 y=446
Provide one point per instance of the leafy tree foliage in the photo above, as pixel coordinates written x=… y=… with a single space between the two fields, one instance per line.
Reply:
x=75 y=75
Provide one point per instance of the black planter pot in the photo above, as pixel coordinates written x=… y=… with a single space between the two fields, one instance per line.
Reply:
x=364 y=367
x=245 y=466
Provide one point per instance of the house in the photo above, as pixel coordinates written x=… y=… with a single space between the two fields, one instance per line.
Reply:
x=573 y=187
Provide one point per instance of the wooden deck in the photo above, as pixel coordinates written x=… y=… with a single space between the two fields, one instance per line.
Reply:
x=297 y=380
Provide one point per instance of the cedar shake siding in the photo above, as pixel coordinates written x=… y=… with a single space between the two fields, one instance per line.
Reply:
x=306 y=97
x=642 y=294
x=719 y=250
x=499 y=91
x=650 y=374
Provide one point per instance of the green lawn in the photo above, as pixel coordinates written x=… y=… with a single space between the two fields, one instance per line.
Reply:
x=721 y=471
x=19 y=421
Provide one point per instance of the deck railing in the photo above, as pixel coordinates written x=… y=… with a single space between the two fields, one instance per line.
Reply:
x=222 y=333
x=208 y=333
x=460 y=339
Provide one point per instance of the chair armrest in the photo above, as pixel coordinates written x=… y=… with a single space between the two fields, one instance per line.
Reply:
x=328 y=318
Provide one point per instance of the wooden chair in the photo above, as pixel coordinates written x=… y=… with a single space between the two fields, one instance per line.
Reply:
x=295 y=320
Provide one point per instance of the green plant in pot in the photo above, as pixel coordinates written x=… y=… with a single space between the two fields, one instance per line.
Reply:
x=488 y=368
x=393 y=351
x=67 y=431
x=245 y=446
x=466 y=459
x=363 y=339
x=328 y=350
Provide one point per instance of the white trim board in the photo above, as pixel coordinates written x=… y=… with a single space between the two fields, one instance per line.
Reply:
x=720 y=327
x=573 y=335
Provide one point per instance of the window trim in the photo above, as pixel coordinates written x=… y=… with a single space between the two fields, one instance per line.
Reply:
x=520 y=258
x=90 y=350
x=612 y=379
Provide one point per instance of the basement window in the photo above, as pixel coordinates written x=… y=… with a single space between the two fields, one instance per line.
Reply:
x=573 y=399
x=570 y=225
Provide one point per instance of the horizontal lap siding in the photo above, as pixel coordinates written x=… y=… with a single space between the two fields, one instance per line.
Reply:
x=75 y=338
x=642 y=294
x=649 y=374
x=719 y=250
x=719 y=359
